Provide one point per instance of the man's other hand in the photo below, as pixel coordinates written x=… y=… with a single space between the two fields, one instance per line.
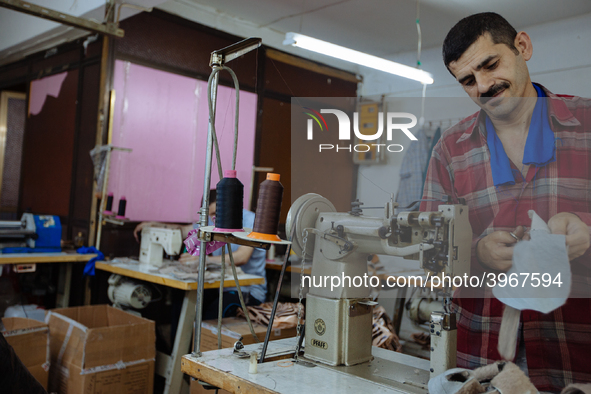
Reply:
x=576 y=231
x=496 y=249
x=139 y=228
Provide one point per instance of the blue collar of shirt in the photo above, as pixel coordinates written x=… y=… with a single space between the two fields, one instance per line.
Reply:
x=539 y=146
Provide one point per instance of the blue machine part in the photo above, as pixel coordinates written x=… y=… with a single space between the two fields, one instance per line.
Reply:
x=49 y=231
x=49 y=236
x=26 y=249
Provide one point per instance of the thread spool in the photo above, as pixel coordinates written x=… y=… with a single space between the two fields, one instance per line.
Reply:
x=109 y=207
x=229 y=202
x=266 y=221
x=122 y=206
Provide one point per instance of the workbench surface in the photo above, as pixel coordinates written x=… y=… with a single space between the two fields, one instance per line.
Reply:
x=148 y=274
x=59 y=257
x=278 y=264
x=389 y=372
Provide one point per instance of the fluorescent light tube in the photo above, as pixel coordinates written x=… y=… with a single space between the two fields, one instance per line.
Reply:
x=361 y=58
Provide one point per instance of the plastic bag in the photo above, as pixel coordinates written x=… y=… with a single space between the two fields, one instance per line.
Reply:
x=99 y=160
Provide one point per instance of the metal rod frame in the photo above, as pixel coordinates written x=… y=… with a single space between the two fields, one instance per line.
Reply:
x=274 y=310
x=109 y=29
x=217 y=59
x=204 y=215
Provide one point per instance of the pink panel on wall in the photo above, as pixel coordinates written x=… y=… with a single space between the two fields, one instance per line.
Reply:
x=41 y=88
x=163 y=117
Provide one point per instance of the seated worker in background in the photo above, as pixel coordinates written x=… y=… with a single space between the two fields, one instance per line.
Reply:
x=251 y=260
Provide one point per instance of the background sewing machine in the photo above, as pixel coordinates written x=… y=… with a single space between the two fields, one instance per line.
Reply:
x=32 y=234
x=155 y=240
x=339 y=321
x=127 y=293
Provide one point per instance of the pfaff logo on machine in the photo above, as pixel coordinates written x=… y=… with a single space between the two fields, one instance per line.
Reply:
x=319 y=344
x=320 y=327
x=394 y=122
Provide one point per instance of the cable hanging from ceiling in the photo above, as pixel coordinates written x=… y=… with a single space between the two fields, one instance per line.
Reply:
x=418 y=22
x=419 y=44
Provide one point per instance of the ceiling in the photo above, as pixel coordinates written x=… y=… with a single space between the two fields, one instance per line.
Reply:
x=22 y=34
x=380 y=27
x=385 y=27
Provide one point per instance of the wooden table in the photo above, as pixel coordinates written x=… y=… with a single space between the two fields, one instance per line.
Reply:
x=65 y=276
x=388 y=372
x=277 y=264
x=169 y=366
x=138 y=272
x=59 y=257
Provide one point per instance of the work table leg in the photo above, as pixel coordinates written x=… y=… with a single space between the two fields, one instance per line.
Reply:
x=182 y=345
x=65 y=283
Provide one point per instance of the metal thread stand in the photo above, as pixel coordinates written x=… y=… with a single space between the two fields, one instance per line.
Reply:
x=274 y=310
x=107 y=170
x=102 y=218
x=217 y=60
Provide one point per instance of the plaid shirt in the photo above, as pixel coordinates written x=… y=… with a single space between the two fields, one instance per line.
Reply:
x=558 y=344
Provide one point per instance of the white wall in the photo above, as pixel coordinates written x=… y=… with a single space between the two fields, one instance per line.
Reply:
x=561 y=61
x=217 y=19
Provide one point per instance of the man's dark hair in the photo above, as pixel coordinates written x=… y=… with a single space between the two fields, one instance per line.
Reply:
x=469 y=29
x=212 y=197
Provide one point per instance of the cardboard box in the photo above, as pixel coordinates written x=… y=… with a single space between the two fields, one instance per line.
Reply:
x=233 y=329
x=236 y=329
x=30 y=340
x=100 y=349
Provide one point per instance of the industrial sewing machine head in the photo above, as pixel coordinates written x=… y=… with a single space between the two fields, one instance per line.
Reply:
x=339 y=318
x=155 y=240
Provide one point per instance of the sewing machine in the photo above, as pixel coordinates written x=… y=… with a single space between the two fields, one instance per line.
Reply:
x=339 y=321
x=32 y=234
x=155 y=240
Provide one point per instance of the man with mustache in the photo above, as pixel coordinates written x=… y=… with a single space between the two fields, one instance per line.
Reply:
x=527 y=148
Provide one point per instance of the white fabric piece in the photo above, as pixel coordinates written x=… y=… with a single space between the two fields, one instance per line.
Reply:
x=544 y=254
x=445 y=384
x=181 y=271
x=508 y=333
